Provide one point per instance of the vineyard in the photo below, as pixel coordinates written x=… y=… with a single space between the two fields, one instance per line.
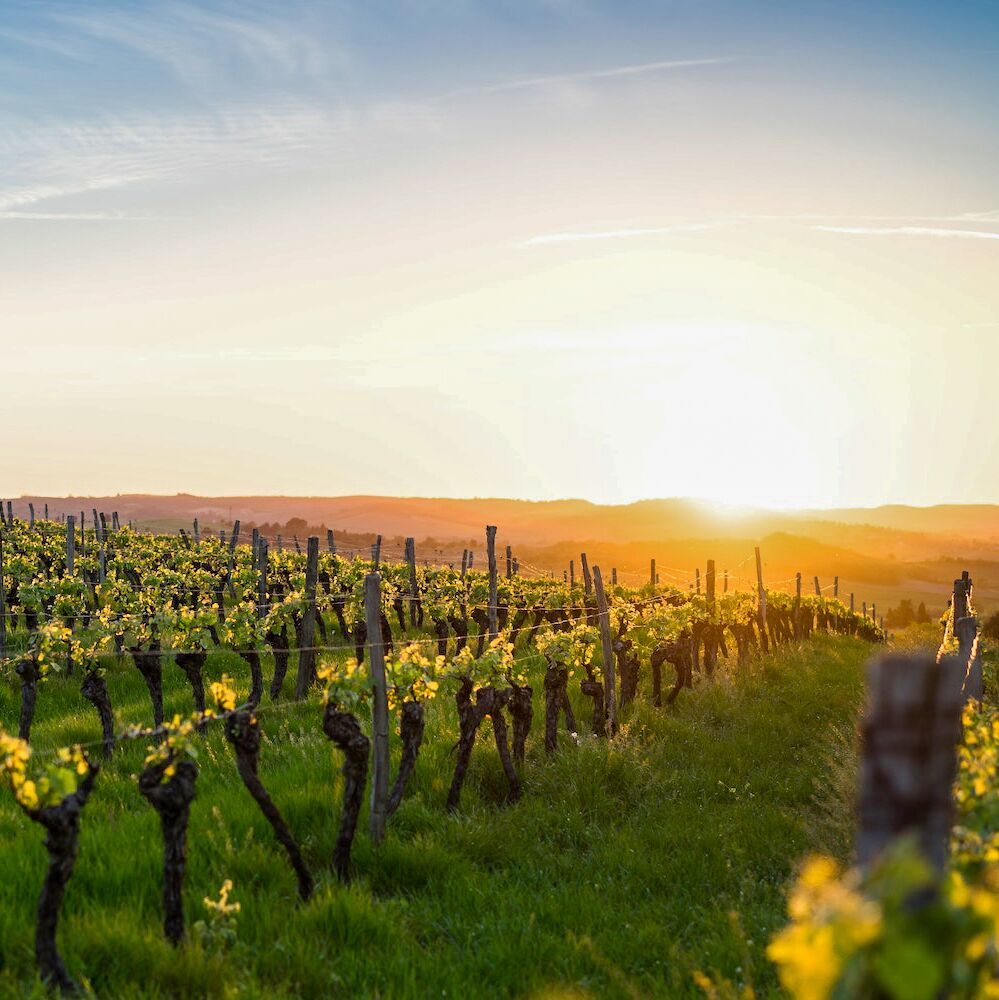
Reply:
x=160 y=685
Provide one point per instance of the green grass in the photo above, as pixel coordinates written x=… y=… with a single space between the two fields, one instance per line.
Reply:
x=619 y=873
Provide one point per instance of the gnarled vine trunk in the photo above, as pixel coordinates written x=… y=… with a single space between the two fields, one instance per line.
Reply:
x=243 y=732
x=172 y=801
x=95 y=690
x=411 y=728
x=343 y=729
x=62 y=828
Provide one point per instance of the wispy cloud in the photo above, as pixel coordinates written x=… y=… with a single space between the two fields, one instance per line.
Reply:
x=963 y=234
x=604 y=74
x=543 y=239
x=201 y=44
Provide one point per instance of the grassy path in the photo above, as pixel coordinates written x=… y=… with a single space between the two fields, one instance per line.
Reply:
x=617 y=875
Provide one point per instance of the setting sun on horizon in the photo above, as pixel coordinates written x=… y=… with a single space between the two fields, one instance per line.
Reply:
x=734 y=250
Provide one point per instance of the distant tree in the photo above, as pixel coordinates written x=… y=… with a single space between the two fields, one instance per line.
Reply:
x=922 y=615
x=901 y=616
x=297 y=526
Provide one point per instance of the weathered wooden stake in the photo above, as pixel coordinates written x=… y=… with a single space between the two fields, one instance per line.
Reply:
x=572 y=573
x=330 y=542
x=307 y=654
x=614 y=576
x=910 y=734
x=464 y=563
x=587 y=579
x=509 y=563
x=762 y=603
x=380 y=726
x=493 y=597
x=653 y=579
x=414 y=583
x=3 y=609
x=610 y=686
x=835 y=586
x=262 y=602
x=697 y=579
x=70 y=544
x=197 y=531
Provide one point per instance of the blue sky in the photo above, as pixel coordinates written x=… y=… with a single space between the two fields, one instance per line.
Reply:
x=504 y=210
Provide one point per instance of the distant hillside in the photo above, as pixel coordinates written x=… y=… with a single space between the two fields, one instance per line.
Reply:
x=896 y=550
x=892 y=531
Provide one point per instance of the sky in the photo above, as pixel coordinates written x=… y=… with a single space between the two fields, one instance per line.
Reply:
x=745 y=250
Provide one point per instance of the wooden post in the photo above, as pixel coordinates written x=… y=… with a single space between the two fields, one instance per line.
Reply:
x=797 y=605
x=697 y=578
x=379 y=725
x=818 y=589
x=262 y=601
x=83 y=534
x=835 y=586
x=10 y=512
x=509 y=563
x=852 y=604
x=115 y=520
x=910 y=734
x=614 y=576
x=3 y=609
x=762 y=601
x=493 y=598
x=307 y=654
x=330 y=542
x=197 y=532
x=280 y=547
x=587 y=579
x=710 y=651
x=471 y=559
x=254 y=544
x=31 y=514
x=70 y=544
x=376 y=552
x=414 y=585
x=572 y=573
x=653 y=579
x=725 y=584
x=516 y=566
x=464 y=563
x=865 y=609
x=874 y=612
x=610 y=685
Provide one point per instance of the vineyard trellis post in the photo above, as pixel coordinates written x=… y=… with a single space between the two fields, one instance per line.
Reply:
x=652 y=572
x=572 y=573
x=379 y=724
x=414 y=584
x=254 y=545
x=614 y=576
x=197 y=531
x=330 y=542
x=262 y=578
x=910 y=734
x=587 y=579
x=31 y=515
x=725 y=583
x=797 y=605
x=709 y=593
x=509 y=563
x=3 y=609
x=493 y=599
x=697 y=578
x=610 y=682
x=835 y=586
x=761 y=610
x=464 y=563
x=307 y=654
x=70 y=544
